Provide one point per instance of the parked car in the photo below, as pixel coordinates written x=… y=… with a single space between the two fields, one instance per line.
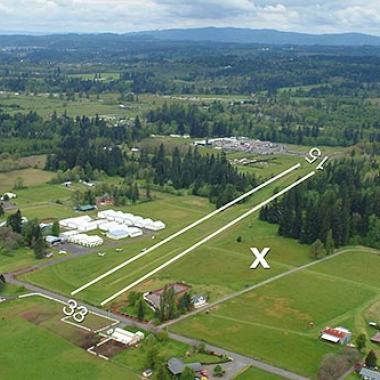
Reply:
x=147 y=373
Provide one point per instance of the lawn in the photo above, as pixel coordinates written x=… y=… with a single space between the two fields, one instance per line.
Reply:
x=291 y=310
x=33 y=328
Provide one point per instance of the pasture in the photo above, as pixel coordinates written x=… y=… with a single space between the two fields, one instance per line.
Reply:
x=293 y=310
x=51 y=348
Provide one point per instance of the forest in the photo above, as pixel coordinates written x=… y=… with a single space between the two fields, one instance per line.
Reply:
x=340 y=206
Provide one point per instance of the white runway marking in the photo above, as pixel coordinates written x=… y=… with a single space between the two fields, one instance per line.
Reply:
x=209 y=237
x=187 y=228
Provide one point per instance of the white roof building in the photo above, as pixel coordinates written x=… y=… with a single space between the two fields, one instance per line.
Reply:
x=8 y=195
x=126 y=337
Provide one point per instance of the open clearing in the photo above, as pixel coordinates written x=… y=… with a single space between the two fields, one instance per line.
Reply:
x=292 y=311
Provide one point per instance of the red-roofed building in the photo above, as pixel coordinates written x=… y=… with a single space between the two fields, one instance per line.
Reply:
x=337 y=335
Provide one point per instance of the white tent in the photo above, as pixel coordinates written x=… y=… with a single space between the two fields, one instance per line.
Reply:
x=134 y=232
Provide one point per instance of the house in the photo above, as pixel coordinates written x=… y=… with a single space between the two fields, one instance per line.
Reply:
x=153 y=298
x=369 y=374
x=105 y=200
x=8 y=196
x=126 y=337
x=376 y=338
x=176 y=366
x=338 y=335
x=198 y=301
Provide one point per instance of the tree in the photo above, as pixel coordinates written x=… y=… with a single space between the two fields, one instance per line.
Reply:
x=187 y=374
x=317 y=250
x=40 y=248
x=55 y=230
x=371 y=359
x=373 y=236
x=218 y=371
x=1 y=211
x=141 y=310
x=152 y=358
x=19 y=183
x=162 y=373
x=31 y=232
x=329 y=245
x=15 y=222
x=361 y=341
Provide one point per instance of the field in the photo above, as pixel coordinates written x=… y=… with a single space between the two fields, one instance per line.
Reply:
x=31 y=177
x=50 y=348
x=66 y=276
x=292 y=311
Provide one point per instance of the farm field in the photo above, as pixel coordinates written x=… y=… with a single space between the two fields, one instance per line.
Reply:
x=293 y=310
x=73 y=273
x=50 y=348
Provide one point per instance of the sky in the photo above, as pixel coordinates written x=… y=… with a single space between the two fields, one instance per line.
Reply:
x=120 y=16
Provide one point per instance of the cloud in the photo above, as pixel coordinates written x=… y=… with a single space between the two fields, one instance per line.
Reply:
x=134 y=15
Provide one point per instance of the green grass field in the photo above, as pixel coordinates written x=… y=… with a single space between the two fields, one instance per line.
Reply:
x=292 y=311
x=31 y=177
x=40 y=346
x=67 y=276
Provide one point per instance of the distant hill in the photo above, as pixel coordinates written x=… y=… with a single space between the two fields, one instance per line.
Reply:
x=261 y=36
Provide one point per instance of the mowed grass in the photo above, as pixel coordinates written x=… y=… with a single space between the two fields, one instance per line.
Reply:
x=76 y=273
x=291 y=312
x=176 y=212
x=48 y=348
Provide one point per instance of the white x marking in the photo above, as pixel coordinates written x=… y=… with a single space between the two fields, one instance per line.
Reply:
x=260 y=258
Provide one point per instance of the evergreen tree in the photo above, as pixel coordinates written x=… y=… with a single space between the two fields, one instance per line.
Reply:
x=329 y=245
x=361 y=341
x=14 y=221
x=141 y=310
x=317 y=250
x=162 y=373
x=371 y=359
x=55 y=231
x=39 y=248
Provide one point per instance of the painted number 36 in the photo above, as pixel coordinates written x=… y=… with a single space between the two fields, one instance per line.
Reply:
x=77 y=312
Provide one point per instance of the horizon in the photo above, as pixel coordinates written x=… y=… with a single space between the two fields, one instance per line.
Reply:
x=125 y=16
x=41 y=33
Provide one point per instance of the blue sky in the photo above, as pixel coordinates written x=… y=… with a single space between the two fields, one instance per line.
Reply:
x=135 y=15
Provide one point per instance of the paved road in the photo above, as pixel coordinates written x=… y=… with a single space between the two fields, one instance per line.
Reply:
x=238 y=363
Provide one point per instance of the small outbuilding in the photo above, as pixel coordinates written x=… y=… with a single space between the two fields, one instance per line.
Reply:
x=376 y=338
x=337 y=335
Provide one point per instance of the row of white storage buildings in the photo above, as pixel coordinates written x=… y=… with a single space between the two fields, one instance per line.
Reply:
x=131 y=220
x=116 y=224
